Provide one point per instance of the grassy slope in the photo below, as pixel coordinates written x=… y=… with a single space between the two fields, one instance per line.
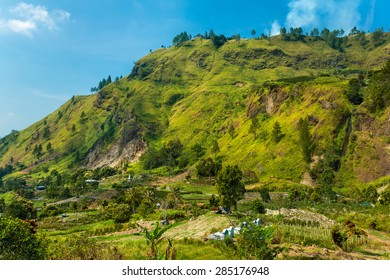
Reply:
x=217 y=88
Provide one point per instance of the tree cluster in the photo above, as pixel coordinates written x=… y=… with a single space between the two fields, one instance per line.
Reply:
x=294 y=34
x=180 y=39
x=208 y=167
x=377 y=93
x=104 y=82
x=217 y=40
x=166 y=156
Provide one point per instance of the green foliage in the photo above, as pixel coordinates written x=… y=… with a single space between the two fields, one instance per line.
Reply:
x=254 y=243
x=83 y=248
x=377 y=94
x=166 y=156
x=306 y=141
x=139 y=199
x=198 y=150
x=174 y=98
x=181 y=38
x=153 y=239
x=208 y=167
x=377 y=37
x=254 y=126
x=257 y=206
x=230 y=186
x=214 y=201
x=104 y=82
x=120 y=213
x=342 y=234
x=354 y=93
x=146 y=207
x=50 y=211
x=215 y=147
x=294 y=34
x=218 y=40
x=232 y=131
x=253 y=32
x=18 y=241
x=38 y=151
x=276 y=134
x=370 y=194
x=2 y=205
x=264 y=193
x=385 y=197
x=361 y=37
x=334 y=38
x=20 y=208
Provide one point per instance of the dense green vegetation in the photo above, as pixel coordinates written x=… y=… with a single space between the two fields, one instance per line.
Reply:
x=291 y=129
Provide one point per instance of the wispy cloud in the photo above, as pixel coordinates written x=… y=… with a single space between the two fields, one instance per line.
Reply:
x=333 y=14
x=370 y=16
x=48 y=96
x=27 y=18
x=5 y=117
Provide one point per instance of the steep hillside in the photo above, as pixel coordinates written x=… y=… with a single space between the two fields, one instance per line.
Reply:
x=233 y=96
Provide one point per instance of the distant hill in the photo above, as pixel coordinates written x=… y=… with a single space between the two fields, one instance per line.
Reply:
x=252 y=98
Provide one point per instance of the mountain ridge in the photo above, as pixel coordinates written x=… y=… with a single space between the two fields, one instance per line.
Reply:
x=233 y=95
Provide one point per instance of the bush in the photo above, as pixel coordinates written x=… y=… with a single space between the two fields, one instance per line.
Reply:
x=120 y=213
x=208 y=167
x=258 y=207
x=254 y=243
x=18 y=241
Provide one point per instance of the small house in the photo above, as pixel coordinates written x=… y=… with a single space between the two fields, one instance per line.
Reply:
x=40 y=188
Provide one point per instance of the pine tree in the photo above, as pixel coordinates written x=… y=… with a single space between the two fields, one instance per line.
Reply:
x=277 y=132
x=306 y=140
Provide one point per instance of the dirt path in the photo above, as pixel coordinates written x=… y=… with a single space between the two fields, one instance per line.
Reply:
x=169 y=180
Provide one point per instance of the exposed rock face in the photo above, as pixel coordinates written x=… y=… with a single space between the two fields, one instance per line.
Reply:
x=117 y=153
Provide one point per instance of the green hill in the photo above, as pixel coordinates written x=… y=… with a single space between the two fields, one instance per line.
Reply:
x=234 y=96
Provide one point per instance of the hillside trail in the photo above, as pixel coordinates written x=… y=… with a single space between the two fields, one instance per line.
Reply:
x=381 y=241
x=159 y=181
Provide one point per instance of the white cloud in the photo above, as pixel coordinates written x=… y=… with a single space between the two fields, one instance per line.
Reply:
x=275 y=28
x=17 y=26
x=302 y=13
x=333 y=14
x=26 y=18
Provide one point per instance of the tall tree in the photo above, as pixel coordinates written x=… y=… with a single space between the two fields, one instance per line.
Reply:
x=377 y=37
x=230 y=186
x=277 y=132
x=253 y=33
x=306 y=140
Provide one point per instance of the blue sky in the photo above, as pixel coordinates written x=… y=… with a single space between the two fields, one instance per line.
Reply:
x=51 y=50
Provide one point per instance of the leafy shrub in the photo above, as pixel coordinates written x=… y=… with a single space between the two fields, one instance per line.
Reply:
x=120 y=213
x=257 y=206
x=18 y=241
x=208 y=167
x=254 y=243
